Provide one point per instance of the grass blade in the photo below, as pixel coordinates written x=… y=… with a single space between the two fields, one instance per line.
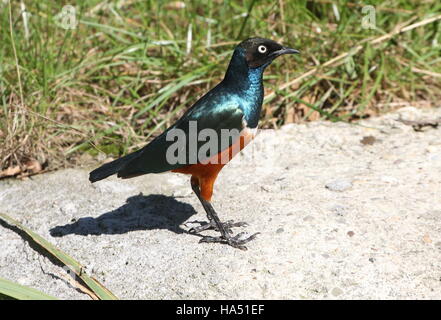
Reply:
x=17 y=291
x=100 y=291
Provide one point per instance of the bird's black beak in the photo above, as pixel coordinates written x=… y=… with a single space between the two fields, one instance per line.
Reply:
x=284 y=50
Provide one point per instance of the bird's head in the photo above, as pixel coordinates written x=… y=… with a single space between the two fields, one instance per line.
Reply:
x=260 y=52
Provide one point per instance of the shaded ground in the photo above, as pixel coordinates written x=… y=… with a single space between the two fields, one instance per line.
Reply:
x=344 y=211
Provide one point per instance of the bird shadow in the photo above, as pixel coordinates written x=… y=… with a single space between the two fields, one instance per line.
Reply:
x=138 y=213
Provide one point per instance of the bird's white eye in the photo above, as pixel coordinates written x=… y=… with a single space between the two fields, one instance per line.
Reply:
x=262 y=49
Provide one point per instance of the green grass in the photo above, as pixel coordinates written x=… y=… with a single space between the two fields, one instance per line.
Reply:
x=10 y=290
x=90 y=285
x=126 y=71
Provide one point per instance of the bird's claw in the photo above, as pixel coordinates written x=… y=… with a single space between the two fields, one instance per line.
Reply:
x=236 y=241
x=212 y=226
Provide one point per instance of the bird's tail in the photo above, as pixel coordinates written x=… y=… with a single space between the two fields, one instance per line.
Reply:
x=113 y=167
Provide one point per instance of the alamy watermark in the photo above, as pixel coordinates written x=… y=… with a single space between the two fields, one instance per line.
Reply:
x=203 y=146
x=369 y=19
x=208 y=146
x=67 y=18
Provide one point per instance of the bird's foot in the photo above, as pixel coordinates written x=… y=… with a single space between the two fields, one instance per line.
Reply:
x=212 y=226
x=237 y=241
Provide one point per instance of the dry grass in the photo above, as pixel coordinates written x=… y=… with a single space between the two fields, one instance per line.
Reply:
x=124 y=73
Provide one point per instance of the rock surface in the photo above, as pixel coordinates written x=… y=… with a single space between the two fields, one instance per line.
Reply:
x=339 y=219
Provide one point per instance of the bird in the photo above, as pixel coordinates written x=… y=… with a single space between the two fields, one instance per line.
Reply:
x=208 y=135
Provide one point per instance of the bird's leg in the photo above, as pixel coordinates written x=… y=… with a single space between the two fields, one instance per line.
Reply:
x=214 y=222
x=208 y=208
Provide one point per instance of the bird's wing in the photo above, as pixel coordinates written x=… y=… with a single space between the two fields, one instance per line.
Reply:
x=156 y=156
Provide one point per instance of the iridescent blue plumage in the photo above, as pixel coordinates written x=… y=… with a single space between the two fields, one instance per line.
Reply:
x=234 y=103
x=232 y=107
x=242 y=87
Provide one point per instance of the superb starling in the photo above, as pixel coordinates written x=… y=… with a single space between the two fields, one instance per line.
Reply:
x=232 y=107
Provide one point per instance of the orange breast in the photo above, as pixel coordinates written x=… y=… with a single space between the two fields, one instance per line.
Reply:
x=206 y=173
